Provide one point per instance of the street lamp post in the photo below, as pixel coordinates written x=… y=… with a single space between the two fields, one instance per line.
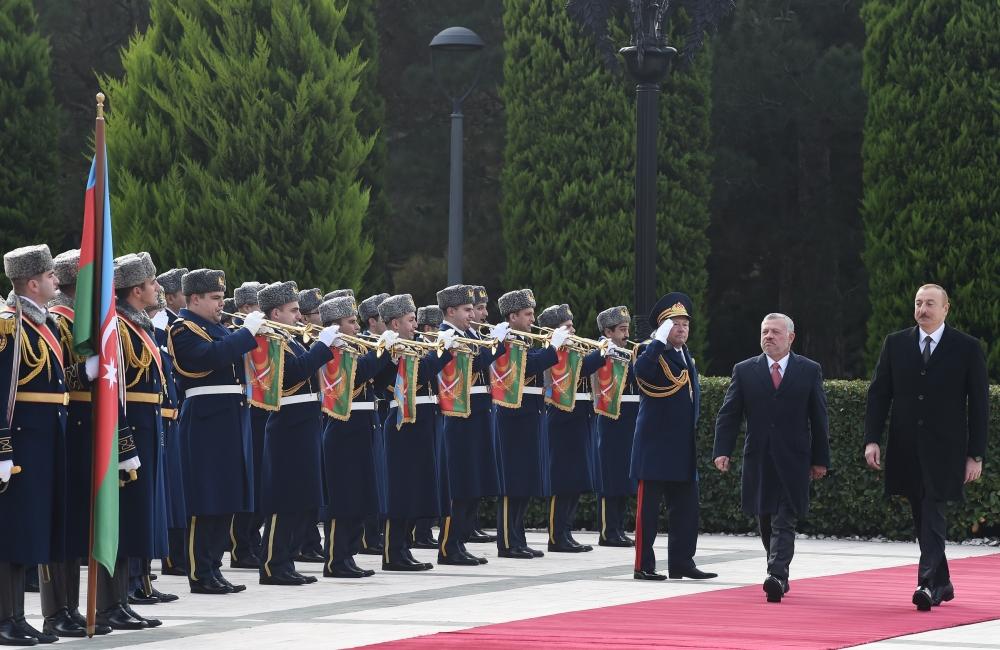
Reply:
x=456 y=62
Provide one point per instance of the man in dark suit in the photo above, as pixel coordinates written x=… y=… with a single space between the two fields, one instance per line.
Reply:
x=931 y=381
x=781 y=396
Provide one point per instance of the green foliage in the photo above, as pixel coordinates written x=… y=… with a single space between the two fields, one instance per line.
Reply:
x=849 y=501
x=931 y=198
x=29 y=131
x=234 y=142
x=568 y=178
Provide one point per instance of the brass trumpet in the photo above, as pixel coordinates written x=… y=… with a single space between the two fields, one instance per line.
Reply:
x=543 y=339
x=469 y=345
x=580 y=343
x=411 y=347
x=304 y=331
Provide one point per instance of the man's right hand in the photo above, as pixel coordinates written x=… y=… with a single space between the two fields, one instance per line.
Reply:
x=722 y=463
x=253 y=321
x=873 y=455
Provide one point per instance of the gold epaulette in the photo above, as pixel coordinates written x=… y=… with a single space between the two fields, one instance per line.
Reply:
x=7 y=324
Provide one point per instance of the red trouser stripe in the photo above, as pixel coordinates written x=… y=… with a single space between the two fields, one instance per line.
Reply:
x=638 y=528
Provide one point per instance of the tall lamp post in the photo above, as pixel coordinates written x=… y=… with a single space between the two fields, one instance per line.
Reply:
x=456 y=61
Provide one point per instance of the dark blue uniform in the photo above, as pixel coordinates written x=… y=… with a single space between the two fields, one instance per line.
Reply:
x=216 y=448
x=614 y=444
x=371 y=536
x=572 y=463
x=177 y=517
x=522 y=452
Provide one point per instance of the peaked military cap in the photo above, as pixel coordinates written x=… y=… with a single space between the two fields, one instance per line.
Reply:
x=67 y=264
x=171 y=280
x=339 y=293
x=336 y=308
x=430 y=315
x=309 y=300
x=456 y=295
x=203 y=281
x=612 y=318
x=396 y=307
x=277 y=294
x=369 y=307
x=516 y=300
x=555 y=316
x=27 y=262
x=670 y=306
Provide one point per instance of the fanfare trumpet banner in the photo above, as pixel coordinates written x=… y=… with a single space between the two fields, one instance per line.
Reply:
x=608 y=384
x=405 y=389
x=336 y=380
x=265 y=370
x=507 y=374
x=561 y=379
x=455 y=385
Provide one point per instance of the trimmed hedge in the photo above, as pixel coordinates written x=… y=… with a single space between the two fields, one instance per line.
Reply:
x=849 y=501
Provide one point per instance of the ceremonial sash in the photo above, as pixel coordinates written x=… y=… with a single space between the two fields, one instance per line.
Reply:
x=561 y=379
x=64 y=311
x=608 y=385
x=507 y=375
x=336 y=382
x=455 y=385
x=151 y=345
x=265 y=371
x=405 y=390
x=46 y=334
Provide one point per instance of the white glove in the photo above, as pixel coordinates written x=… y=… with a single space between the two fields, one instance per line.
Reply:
x=253 y=321
x=93 y=367
x=129 y=465
x=6 y=467
x=559 y=337
x=388 y=338
x=663 y=330
x=448 y=336
x=611 y=347
x=501 y=332
x=160 y=320
x=329 y=335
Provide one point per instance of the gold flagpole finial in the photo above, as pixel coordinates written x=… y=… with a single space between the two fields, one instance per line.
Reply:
x=100 y=106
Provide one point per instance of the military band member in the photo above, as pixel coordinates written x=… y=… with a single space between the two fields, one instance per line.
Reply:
x=170 y=282
x=664 y=452
x=371 y=323
x=481 y=314
x=214 y=424
x=572 y=466
x=429 y=319
x=522 y=447
x=614 y=439
x=292 y=475
x=309 y=302
x=348 y=452
x=412 y=450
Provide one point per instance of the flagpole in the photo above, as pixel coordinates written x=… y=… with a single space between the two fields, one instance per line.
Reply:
x=97 y=316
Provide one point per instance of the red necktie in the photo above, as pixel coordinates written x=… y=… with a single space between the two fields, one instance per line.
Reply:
x=776 y=375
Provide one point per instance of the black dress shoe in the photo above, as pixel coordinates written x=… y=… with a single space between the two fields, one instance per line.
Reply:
x=458 y=559
x=79 y=619
x=251 y=562
x=535 y=551
x=118 y=619
x=923 y=599
x=343 y=572
x=648 y=575
x=173 y=571
x=209 y=586
x=567 y=548
x=376 y=550
x=25 y=628
x=283 y=580
x=309 y=579
x=10 y=634
x=425 y=544
x=63 y=625
x=163 y=597
x=481 y=537
x=354 y=565
x=775 y=588
x=943 y=594
x=617 y=543
x=233 y=589
x=150 y=622
x=694 y=573
x=517 y=554
x=478 y=558
x=139 y=597
x=406 y=566
x=310 y=556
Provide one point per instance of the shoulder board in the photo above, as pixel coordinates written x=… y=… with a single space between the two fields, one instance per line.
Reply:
x=195 y=329
x=7 y=325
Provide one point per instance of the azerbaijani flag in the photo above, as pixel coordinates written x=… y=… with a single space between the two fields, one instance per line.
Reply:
x=95 y=331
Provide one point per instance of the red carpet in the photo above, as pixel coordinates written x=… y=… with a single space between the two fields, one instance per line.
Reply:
x=828 y=612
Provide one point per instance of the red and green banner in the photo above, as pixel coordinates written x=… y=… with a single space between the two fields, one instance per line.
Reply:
x=405 y=390
x=336 y=381
x=561 y=379
x=455 y=386
x=95 y=332
x=608 y=385
x=265 y=370
x=507 y=375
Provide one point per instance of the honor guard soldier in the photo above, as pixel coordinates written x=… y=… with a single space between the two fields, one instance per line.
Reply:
x=175 y=561
x=412 y=447
x=471 y=457
x=522 y=447
x=614 y=438
x=292 y=475
x=309 y=302
x=371 y=323
x=214 y=424
x=572 y=466
x=244 y=530
x=481 y=314
x=429 y=319
x=348 y=452
x=664 y=453
x=32 y=430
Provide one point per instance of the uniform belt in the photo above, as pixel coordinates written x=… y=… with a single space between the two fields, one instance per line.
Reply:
x=630 y=398
x=362 y=406
x=229 y=389
x=533 y=390
x=584 y=396
x=168 y=414
x=422 y=399
x=79 y=396
x=479 y=390
x=300 y=399
x=43 y=398
x=144 y=398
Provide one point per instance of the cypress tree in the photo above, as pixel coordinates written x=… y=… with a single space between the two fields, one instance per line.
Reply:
x=29 y=132
x=568 y=179
x=931 y=199
x=234 y=142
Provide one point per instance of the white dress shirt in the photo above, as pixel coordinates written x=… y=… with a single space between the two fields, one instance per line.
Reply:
x=935 y=338
x=782 y=364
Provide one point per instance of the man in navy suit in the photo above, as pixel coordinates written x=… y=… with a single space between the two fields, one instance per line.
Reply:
x=780 y=394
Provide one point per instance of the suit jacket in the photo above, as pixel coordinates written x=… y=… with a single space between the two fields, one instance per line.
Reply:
x=937 y=412
x=787 y=431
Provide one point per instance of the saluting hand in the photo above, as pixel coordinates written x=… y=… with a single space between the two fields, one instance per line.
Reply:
x=873 y=455
x=973 y=470
x=722 y=463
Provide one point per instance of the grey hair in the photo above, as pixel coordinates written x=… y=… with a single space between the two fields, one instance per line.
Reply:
x=776 y=316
